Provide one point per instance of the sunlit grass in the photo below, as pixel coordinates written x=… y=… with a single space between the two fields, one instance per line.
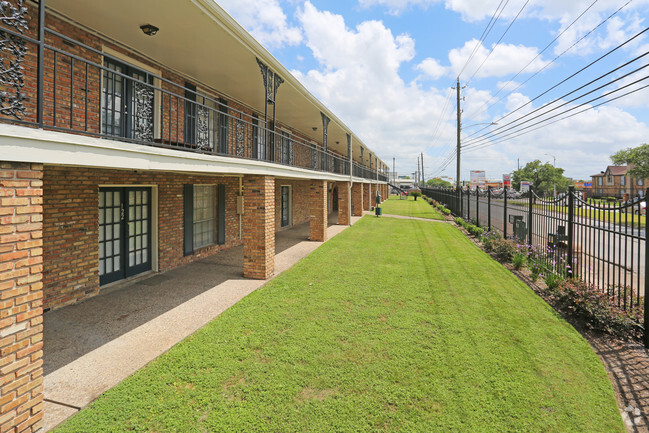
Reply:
x=392 y=326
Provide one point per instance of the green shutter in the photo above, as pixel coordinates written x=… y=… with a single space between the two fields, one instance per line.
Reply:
x=220 y=209
x=188 y=217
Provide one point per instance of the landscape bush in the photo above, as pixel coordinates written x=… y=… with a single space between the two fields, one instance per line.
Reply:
x=595 y=309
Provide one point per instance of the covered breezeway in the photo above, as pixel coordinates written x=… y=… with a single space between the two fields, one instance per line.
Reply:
x=92 y=346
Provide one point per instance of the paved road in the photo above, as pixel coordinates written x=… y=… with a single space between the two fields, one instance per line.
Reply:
x=607 y=254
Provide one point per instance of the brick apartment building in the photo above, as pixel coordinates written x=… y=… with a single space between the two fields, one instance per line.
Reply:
x=136 y=137
x=615 y=182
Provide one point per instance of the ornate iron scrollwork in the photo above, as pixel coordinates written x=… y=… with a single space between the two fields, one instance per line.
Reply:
x=203 y=128
x=277 y=82
x=241 y=128
x=143 y=112
x=13 y=50
x=314 y=157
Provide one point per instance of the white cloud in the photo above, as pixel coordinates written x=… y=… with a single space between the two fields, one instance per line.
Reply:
x=358 y=78
x=504 y=60
x=432 y=68
x=265 y=20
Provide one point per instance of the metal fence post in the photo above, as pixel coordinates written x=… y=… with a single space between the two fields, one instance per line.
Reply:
x=571 y=220
x=468 y=204
x=489 y=208
x=530 y=215
x=646 y=280
x=505 y=214
x=477 y=207
x=459 y=201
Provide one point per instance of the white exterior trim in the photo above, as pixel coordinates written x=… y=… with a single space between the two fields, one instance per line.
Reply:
x=21 y=144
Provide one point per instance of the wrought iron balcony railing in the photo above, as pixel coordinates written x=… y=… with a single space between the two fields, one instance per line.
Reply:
x=60 y=84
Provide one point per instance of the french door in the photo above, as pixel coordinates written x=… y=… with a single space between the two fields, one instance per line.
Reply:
x=124 y=232
x=127 y=102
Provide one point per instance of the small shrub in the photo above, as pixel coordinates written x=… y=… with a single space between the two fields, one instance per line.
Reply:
x=503 y=249
x=518 y=260
x=595 y=309
x=553 y=281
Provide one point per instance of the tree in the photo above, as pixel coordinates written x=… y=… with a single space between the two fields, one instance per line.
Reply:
x=637 y=157
x=544 y=177
x=439 y=183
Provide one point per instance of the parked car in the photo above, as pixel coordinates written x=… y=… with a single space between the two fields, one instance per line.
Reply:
x=638 y=205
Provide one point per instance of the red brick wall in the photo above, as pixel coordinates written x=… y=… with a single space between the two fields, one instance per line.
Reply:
x=300 y=200
x=21 y=312
x=71 y=225
x=259 y=227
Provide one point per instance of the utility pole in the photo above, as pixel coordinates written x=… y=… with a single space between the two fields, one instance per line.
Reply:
x=459 y=126
x=394 y=171
x=423 y=178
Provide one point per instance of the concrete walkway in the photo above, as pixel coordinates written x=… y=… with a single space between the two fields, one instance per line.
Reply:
x=94 y=345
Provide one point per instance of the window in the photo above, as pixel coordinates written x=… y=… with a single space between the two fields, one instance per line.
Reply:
x=623 y=180
x=599 y=181
x=204 y=215
x=285 y=206
x=609 y=179
x=127 y=102
x=640 y=182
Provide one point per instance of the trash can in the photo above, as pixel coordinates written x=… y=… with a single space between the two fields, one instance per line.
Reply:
x=378 y=210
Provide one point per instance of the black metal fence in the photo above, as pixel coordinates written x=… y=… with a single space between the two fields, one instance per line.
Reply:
x=600 y=243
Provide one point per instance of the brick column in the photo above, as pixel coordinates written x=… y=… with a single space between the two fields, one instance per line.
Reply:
x=344 y=211
x=258 y=227
x=366 y=196
x=357 y=199
x=21 y=294
x=318 y=210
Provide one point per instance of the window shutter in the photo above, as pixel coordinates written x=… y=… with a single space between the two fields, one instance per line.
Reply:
x=220 y=209
x=188 y=217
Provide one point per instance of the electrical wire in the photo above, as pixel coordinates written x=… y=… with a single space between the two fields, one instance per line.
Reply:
x=544 y=122
x=516 y=123
x=489 y=104
x=484 y=35
x=499 y=40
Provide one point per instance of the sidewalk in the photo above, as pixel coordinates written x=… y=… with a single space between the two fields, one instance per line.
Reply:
x=92 y=346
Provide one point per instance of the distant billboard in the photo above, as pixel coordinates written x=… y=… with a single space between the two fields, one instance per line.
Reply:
x=478 y=179
x=507 y=180
x=525 y=185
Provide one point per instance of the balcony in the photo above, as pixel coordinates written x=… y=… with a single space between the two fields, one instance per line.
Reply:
x=57 y=83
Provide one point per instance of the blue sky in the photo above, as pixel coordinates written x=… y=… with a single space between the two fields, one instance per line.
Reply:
x=385 y=67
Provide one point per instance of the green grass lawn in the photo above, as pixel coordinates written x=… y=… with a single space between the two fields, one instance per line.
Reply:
x=392 y=326
x=420 y=208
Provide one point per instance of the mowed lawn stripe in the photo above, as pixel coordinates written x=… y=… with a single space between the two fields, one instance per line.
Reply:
x=393 y=325
x=409 y=207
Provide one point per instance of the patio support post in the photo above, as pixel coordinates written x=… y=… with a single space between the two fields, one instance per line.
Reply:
x=259 y=227
x=344 y=203
x=21 y=291
x=318 y=210
x=357 y=199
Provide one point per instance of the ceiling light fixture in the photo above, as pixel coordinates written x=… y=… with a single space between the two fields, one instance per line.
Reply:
x=149 y=29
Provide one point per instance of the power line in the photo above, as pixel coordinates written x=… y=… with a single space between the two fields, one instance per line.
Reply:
x=484 y=35
x=516 y=123
x=489 y=104
x=499 y=40
x=544 y=122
